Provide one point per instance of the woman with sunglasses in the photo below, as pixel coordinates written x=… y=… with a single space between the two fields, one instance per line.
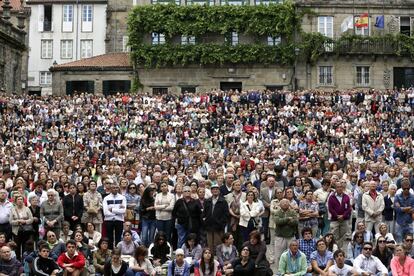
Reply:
x=383 y=252
x=355 y=247
x=133 y=200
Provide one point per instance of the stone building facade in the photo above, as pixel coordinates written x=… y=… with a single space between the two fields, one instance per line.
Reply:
x=12 y=48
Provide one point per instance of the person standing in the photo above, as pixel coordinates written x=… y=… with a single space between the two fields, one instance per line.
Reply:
x=373 y=205
x=21 y=220
x=147 y=215
x=51 y=212
x=5 y=211
x=187 y=212
x=216 y=217
x=267 y=194
x=339 y=207
x=73 y=207
x=92 y=204
x=114 y=206
x=404 y=208
x=286 y=220
x=164 y=204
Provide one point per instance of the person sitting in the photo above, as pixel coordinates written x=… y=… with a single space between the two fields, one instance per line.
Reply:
x=307 y=244
x=192 y=249
x=243 y=266
x=360 y=228
x=9 y=266
x=355 y=247
x=383 y=232
x=206 y=265
x=178 y=267
x=43 y=264
x=330 y=242
x=66 y=233
x=135 y=237
x=160 y=250
x=127 y=246
x=101 y=256
x=92 y=235
x=366 y=264
x=293 y=261
x=56 y=247
x=115 y=267
x=226 y=252
x=383 y=253
x=321 y=258
x=257 y=249
x=340 y=268
x=140 y=264
x=72 y=262
x=401 y=264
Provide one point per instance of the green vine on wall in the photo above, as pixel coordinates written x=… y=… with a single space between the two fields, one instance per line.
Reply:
x=204 y=54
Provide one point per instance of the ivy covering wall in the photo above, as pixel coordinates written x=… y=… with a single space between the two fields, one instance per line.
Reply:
x=171 y=20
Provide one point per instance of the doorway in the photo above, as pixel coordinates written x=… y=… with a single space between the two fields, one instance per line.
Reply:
x=225 y=86
x=403 y=77
x=76 y=87
x=111 y=87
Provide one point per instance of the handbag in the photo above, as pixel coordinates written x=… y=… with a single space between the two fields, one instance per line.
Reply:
x=255 y=223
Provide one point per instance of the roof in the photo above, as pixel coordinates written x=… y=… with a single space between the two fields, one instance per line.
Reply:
x=15 y=4
x=110 y=61
x=30 y=2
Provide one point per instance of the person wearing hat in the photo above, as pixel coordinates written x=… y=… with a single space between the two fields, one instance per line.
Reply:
x=216 y=216
x=178 y=267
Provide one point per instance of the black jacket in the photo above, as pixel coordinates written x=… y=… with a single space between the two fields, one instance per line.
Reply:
x=389 y=212
x=72 y=206
x=188 y=214
x=44 y=266
x=217 y=218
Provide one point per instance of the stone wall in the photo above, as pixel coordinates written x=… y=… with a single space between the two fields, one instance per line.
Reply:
x=59 y=79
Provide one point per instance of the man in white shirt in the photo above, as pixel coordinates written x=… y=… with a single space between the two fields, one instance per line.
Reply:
x=114 y=207
x=340 y=268
x=366 y=264
x=5 y=211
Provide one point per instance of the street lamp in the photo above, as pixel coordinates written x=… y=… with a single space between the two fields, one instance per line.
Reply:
x=294 y=83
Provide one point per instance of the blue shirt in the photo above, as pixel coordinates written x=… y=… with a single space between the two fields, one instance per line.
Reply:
x=400 y=201
x=322 y=260
x=307 y=247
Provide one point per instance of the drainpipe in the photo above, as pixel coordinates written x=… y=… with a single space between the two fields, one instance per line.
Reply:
x=77 y=29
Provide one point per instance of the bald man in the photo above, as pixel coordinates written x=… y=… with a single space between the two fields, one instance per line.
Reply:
x=9 y=266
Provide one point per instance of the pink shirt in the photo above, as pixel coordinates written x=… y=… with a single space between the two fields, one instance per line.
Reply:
x=402 y=270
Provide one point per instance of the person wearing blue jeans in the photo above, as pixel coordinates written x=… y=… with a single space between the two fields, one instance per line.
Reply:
x=404 y=208
x=147 y=214
x=182 y=234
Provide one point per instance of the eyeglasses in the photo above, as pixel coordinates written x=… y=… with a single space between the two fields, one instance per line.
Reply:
x=409 y=240
x=132 y=188
x=368 y=248
x=381 y=241
x=405 y=189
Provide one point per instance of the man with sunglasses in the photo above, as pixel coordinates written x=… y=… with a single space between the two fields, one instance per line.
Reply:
x=408 y=244
x=404 y=208
x=366 y=264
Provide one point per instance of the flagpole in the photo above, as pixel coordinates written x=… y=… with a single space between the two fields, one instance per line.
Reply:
x=353 y=16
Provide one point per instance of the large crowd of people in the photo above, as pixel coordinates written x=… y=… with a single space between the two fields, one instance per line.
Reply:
x=218 y=183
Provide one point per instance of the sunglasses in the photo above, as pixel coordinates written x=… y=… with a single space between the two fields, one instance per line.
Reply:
x=368 y=248
x=409 y=240
x=381 y=241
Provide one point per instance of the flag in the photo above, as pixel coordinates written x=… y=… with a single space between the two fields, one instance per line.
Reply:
x=362 y=21
x=347 y=24
x=379 y=22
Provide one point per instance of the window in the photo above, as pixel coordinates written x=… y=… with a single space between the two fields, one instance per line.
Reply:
x=188 y=89
x=66 y=47
x=362 y=75
x=232 y=2
x=188 y=40
x=273 y=41
x=125 y=46
x=325 y=27
x=67 y=13
x=166 y=2
x=47 y=48
x=45 y=78
x=87 y=13
x=47 y=20
x=158 y=38
x=233 y=38
x=325 y=75
x=200 y=2
x=86 y=48
x=405 y=25
x=159 y=90
x=267 y=2
x=364 y=31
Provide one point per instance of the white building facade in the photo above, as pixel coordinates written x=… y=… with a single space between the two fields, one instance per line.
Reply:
x=60 y=32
